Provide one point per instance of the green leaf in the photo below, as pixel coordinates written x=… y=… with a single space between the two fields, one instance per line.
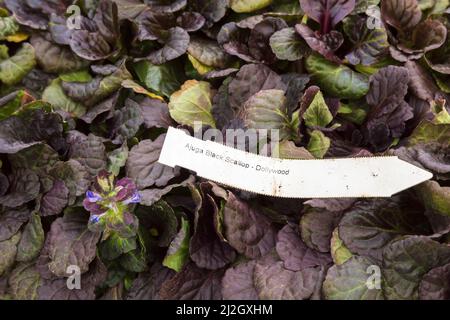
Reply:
x=192 y=103
x=441 y=115
x=349 y=281
x=198 y=66
x=339 y=251
x=241 y=6
x=115 y=246
x=266 y=110
x=353 y=112
x=12 y=70
x=4 y=52
x=318 y=144
x=288 y=45
x=32 y=240
x=178 y=253
x=317 y=114
x=8 y=27
x=134 y=261
x=76 y=76
x=24 y=282
x=130 y=84
x=427 y=132
x=18 y=103
x=381 y=221
x=435 y=197
x=117 y=159
x=406 y=260
x=207 y=53
x=163 y=79
x=8 y=251
x=337 y=80
x=369 y=44
x=54 y=58
x=69 y=242
x=54 y=94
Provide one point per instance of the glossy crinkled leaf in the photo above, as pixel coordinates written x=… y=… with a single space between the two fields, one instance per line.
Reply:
x=337 y=80
x=117 y=159
x=193 y=283
x=246 y=230
x=192 y=103
x=57 y=289
x=54 y=58
x=55 y=200
x=32 y=240
x=88 y=151
x=126 y=121
x=208 y=52
x=274 y=282
x=115 y=246
x=287 y=45
x=8 y=27
x=54 y=94
x=11 y=220
x=369 y=226
x=160 y=78
x=24 y=187
x=369 y=43
x=401 y=14
x=295 y=254
x=266 y=110
x=142 y=165
x=22 y=131
x=435 y=285
x=155 y=113
x=8 y=251
x=316 y=228
x=71 y=243
x=237 y=282
x=175 y=45
x=351 y=281
x=89 y=45
x=24 y=281
x=207 y=248
x=74 y=176
x=134 y=261
x=251 y=79
x=147 y=285
x=406 y=261
x=12 y=70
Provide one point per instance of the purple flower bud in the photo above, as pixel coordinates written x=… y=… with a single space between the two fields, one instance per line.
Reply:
x=126 y=189
x=135 y=198
x=93 y=207
x=94 y=218
x=93 y=196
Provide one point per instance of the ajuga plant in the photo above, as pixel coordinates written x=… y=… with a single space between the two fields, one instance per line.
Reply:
x=89 y=88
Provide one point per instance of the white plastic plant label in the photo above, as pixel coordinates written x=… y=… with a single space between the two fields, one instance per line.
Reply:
x=327 y=178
